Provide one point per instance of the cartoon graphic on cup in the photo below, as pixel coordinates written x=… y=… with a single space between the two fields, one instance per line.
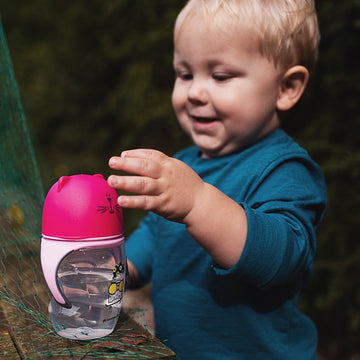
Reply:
x=83 y=256
x=116 y=288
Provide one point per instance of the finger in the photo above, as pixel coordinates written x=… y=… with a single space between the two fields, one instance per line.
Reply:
x=144 y=153
x=134 y=184
x=136 y=165
x=139 y=202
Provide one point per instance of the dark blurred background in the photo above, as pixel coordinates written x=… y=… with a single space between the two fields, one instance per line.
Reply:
x=96 y=76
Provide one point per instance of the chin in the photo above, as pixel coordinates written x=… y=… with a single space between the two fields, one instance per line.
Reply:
x=210 y=153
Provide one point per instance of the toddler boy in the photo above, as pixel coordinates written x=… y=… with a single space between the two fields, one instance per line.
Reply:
x=230 y=238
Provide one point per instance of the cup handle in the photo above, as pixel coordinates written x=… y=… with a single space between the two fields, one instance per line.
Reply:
x=52 y=253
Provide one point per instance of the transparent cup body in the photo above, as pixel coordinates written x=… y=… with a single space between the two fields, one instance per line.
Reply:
x=93 y=282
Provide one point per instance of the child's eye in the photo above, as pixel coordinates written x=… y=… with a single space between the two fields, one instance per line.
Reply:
x=184 y=76
x=221 y=77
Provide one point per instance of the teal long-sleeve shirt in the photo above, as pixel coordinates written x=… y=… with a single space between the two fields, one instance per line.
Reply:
x=249 y=311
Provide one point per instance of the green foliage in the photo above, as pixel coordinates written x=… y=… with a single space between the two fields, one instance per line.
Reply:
x=327 y=123
x=96 y=78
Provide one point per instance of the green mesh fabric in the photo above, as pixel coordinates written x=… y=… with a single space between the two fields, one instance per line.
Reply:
x=25 y=328
x=21 y=193
x=21 y=198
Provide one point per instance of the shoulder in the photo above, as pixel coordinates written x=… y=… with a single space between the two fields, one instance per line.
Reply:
x=278 y=167
x=277 y=145
x=273 y=151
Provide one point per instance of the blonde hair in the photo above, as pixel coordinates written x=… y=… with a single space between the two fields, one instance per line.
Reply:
x=286 y=31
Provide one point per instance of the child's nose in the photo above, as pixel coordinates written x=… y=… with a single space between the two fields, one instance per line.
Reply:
x=197 y=92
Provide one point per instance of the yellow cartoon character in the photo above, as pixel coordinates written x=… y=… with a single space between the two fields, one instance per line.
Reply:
x=116 y=287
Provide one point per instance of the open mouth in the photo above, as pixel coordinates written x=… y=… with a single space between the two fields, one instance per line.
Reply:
x=204 y=120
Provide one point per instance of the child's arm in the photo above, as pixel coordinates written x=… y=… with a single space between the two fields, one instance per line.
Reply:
x=133 y=281
x=170 y=188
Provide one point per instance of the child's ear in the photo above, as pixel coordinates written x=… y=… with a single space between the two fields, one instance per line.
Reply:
x=292 y=87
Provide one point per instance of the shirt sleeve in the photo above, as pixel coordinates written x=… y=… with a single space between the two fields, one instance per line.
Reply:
x=140 y=247
x=283 y=213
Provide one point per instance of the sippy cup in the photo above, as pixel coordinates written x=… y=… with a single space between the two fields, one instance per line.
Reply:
x=83 y=256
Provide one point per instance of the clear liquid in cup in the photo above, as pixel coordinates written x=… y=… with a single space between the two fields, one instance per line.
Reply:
x=95 y=291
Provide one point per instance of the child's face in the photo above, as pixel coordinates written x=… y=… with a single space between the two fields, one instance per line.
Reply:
x=225 y=92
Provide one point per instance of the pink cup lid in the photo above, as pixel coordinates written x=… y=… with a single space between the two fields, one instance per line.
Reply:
x=81 y=207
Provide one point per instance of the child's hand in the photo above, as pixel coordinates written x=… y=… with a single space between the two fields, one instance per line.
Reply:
x=164 y=185
x=171 y=189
